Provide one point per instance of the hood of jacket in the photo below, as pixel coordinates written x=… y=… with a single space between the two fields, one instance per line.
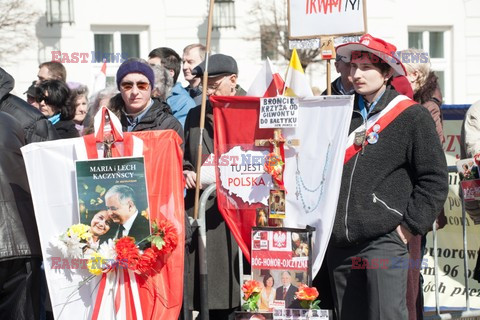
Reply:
x=7 y=83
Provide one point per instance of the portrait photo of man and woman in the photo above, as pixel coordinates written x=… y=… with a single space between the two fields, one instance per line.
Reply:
x=278 y=288
x=112 y=199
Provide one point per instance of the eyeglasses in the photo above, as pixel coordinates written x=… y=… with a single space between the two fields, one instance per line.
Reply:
x=214 y=87
x=41 y=97
x=143 y=86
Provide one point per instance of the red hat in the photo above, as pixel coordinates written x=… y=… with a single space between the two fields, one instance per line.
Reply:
x=384 y=50
x=403 y=86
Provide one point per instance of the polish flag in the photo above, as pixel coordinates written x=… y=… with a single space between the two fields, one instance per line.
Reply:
x=267 y=83
x=101 y=78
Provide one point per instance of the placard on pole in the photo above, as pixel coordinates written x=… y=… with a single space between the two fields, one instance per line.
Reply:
x=314 y=19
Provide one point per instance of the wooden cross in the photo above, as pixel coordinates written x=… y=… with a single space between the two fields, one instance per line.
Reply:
x=275 y=142
x=108 y=139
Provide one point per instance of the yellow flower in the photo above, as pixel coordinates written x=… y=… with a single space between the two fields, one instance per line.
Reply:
x=95 y=263
x=81 y=230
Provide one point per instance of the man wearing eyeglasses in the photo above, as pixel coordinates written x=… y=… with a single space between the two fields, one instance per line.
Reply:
x=222 y=249
x=138 y=111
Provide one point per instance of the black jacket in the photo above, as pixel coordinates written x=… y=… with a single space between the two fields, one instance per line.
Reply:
x=36 y=126
x=66 y=129
x=158 y=117
x=402 y=179
x=18 y=228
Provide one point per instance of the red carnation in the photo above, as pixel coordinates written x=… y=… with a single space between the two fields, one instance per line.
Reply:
x=127 y=251
x=168 y=232
x=147 y=261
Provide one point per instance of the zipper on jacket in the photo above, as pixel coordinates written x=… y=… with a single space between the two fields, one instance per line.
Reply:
x=348 y=197
x=375 y=199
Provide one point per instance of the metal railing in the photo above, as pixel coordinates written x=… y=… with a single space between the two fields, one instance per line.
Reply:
x=459 y=314
x=202 y=252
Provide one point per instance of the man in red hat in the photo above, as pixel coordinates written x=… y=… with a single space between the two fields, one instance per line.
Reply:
x=394 y=183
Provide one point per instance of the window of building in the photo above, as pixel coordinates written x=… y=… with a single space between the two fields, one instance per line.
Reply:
x=437 y=42
x=224 y=14
x=116 y=47
x=268 y=42
x=115 y=44
x=118 y=43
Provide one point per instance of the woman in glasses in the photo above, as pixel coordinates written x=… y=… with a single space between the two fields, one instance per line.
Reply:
x=53 y=99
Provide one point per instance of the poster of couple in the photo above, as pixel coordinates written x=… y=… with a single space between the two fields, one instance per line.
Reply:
x=281 y=262
x=112 y=199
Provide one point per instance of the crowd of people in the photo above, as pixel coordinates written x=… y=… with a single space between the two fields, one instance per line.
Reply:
x=392 y=190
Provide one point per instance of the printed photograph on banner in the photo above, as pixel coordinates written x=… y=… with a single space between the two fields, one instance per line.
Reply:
x=113 y=199
x=276 y=203
x=275 y=222
x=300 y=314
x=467 y=169
x=243 y=315
x=262 y=217
x=280 y=262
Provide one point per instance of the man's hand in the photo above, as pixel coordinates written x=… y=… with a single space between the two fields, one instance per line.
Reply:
x=404 y=234
x=190 y=178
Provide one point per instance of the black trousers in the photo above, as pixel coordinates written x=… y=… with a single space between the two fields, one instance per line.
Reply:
x=20 y=289
x=369 y=281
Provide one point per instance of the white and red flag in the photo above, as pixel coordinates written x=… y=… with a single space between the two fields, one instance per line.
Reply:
x=101 y=78
x=119 y=294
x=312 y=170
x=267 y=83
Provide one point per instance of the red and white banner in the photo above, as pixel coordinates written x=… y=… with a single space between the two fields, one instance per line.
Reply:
x=51 y=171
x=312 y=170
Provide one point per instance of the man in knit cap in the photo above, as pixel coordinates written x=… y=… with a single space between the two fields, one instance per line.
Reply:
x=137 y=110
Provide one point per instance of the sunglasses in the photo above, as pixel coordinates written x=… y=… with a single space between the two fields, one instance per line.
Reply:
x=41 y=97
x=143 y=86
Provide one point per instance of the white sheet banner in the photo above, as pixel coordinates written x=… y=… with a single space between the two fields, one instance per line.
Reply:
x=51 y=174
x=313 y=170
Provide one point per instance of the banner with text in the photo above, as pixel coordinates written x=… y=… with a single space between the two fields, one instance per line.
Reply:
x=450 y=239
x=316 y=18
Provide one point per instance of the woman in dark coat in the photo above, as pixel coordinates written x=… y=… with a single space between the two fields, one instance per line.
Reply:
x=53 y=99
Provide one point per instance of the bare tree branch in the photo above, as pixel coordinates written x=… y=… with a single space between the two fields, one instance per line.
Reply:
x=17 y=20
x=272 y=16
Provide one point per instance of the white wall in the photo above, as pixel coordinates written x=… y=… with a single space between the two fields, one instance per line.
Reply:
x=176 y=24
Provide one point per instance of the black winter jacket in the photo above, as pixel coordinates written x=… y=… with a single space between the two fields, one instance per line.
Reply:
x=401 y=179
x=18 y=229
x=159 y=117
x=36 y=126
x=66 y=129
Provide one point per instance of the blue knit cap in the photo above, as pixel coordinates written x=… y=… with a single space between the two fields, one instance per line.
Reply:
x=135 y=66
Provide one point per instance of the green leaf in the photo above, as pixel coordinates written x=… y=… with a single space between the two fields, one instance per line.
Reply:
x=158 y=242
x=315 y=305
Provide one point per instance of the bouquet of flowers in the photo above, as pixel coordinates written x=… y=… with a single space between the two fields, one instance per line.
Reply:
x=73 y=242
x=251 y=293
x=307 y=296
x=123 y=252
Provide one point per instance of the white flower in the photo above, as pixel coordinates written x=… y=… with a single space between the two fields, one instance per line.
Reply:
x=75 y=247
x=107 y=250
x=59 y=243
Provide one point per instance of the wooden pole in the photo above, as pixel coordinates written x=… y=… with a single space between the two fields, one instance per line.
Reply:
x=329 y=80
x=328 y=52
x=202 y=112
